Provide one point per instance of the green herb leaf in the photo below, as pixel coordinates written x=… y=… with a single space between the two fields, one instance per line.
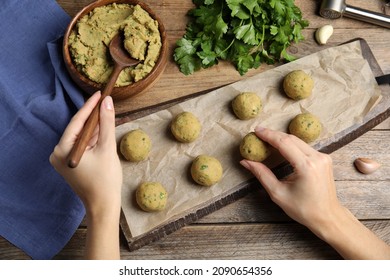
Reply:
x=203 y=167
x=245 y=32
x=185 y=48
x=207 y=55
x=238 y=10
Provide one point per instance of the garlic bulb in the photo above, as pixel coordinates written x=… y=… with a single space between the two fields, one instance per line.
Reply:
x=366 y=165
x=323 y=34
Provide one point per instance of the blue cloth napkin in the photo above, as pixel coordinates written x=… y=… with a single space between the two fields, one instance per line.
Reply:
x=39 y=212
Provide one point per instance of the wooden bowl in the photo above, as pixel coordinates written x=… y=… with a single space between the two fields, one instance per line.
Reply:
x=123 y=92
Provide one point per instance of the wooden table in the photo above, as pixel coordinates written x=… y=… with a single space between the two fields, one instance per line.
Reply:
x=254 y=227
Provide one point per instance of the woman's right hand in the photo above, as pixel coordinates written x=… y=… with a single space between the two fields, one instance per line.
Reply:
x=308 y=195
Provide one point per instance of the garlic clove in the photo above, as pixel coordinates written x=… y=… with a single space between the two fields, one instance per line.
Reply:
x=366 y=165
x=323 y=34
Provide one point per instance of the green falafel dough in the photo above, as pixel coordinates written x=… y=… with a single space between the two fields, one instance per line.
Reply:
x=151 y=196
x=206 y=170
x=305 y=126
x=253 y=148
x=185 y=127
x=298 y=85
x=89 y=41
x=246 y=105
x=135 y=145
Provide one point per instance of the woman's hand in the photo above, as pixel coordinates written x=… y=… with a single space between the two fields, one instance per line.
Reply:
x=98 y=177
x=97 y=180
x=309 y=196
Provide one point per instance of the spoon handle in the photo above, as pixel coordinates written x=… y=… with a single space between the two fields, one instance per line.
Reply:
x=86 y=133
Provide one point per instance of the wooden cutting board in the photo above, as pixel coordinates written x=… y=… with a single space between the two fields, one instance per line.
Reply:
x=380 y=112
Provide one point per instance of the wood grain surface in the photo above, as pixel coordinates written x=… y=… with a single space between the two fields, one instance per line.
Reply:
x=254 y=227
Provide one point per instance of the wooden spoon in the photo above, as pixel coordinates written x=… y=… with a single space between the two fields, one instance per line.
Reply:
x=121 y=60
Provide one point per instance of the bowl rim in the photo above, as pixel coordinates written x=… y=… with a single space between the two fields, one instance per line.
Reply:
x=90 y=86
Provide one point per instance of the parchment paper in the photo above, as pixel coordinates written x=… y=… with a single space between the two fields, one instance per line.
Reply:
x=344 y=92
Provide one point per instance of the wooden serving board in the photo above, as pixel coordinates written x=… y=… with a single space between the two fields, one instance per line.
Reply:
x=380 y=112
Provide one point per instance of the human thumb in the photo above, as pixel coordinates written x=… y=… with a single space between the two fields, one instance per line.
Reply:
x=265 y=176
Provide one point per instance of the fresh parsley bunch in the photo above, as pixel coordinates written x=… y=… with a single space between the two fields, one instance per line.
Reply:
x=245 y=32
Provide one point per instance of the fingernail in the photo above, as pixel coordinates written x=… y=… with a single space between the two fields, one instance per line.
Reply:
x=245 y=164
x=259 y=129
x=108 y=103
x=97 y=92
